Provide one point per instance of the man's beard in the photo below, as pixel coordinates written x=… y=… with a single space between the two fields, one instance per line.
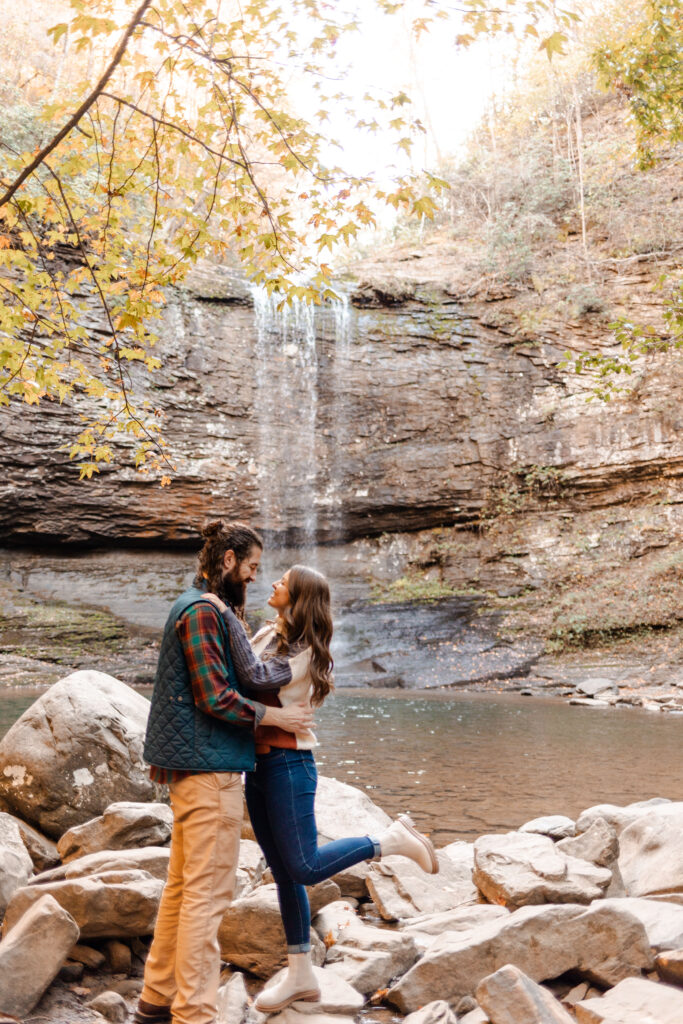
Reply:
x=233 y=592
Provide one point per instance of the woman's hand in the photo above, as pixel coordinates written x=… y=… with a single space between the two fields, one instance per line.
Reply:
x=215 y=599
x=293 y=718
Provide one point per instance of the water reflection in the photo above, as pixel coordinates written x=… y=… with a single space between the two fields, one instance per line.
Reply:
x=465 y=764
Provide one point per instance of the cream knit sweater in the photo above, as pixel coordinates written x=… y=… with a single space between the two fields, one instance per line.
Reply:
x=301 y=687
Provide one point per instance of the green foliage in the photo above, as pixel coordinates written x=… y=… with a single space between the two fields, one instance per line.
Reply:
x=635 y=341
x=646 y=66
x=412 y=587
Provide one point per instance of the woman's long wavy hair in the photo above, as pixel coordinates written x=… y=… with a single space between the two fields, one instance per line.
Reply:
x=308 y=622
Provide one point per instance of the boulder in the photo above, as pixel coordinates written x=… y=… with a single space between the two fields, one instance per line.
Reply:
x=557 y=826
x=365 y=956
x=598 y=844
x=651 y=852
x=109 y=905
x=152 y=859
x=463 y=919
x=518 y=869
x=251 y=935
x=294 y=1015
x=251 y=867
x=342 y=810
x=119 y=956
x=123 y=826
x=633 y=1001
x=602 y=943
x=401 y=889
x=618 y=817
x=76 y=750
x=367 y=970
x=663 y=921
x=352 y=881
x=233 y=1000
x=16 y=867
x=436 y=1012
x=86 y=955
x=509 y=997
x=31 y=954
x=336 y=995
x=669 y=966
x=476 y=1016
x=111 y=1005
x=41 y=850
x=592 y=687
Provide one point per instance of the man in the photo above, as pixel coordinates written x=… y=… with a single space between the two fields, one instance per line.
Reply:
x=200 y=738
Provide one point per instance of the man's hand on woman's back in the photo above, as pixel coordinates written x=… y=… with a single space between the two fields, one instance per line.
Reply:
x=293 y=718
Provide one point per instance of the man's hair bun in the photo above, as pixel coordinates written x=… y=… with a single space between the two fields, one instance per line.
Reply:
x=212 y=529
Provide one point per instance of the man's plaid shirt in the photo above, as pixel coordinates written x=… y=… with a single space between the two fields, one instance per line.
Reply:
x=200 y=638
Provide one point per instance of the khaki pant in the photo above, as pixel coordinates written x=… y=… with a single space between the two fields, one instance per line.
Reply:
x=183 y=966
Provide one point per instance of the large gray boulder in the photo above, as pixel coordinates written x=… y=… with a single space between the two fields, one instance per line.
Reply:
x=365 y=956
x=232 y=1003
x=152 y=859
x=519 y=869
x=618 y=817
x=633 y=1001
x=251 y=935
x=436 y=1012
x=556 y=826
x=509 y=997
x=16 y=867
x=123 y=826
x=651 y=852
x=463 y=919
x=342 y=810
x=601 y=943
x=109 y=905
x=76 y=750
x=41 y=850
x=31 y=954
x=663 y=921
x=598 y=844
x=402 y=890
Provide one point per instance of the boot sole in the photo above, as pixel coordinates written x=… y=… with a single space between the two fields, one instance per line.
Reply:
x=309 y=996
x=407 y=822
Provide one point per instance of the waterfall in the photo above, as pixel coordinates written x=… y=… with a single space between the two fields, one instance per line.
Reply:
x=296 y=483
x=286 y=463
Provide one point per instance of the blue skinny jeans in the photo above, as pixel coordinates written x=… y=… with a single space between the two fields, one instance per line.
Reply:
x=280 y=797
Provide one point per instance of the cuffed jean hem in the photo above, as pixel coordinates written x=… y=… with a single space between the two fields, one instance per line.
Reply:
x=300 y=947
x=376 y=846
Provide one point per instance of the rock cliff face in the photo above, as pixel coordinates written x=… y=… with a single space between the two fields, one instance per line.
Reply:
x=416 y=405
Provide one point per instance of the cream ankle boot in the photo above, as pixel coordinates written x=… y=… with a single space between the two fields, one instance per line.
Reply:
x=299 y=983
x=402 y=838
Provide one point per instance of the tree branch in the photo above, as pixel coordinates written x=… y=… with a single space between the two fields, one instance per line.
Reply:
x=83 y=109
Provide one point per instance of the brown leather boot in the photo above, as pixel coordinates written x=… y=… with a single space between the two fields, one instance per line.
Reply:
x=150 y=1013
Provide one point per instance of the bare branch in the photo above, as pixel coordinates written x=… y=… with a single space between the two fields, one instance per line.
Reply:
x=83 y=109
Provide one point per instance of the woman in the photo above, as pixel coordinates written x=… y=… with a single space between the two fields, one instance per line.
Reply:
x=280 y=793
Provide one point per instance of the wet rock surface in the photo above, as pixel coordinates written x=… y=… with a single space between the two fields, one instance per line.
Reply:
x=421 y=376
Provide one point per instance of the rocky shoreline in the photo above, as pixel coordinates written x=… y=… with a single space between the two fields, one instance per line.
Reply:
x=560 y=921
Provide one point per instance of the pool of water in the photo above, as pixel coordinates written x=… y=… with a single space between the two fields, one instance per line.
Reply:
x=466 y=764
